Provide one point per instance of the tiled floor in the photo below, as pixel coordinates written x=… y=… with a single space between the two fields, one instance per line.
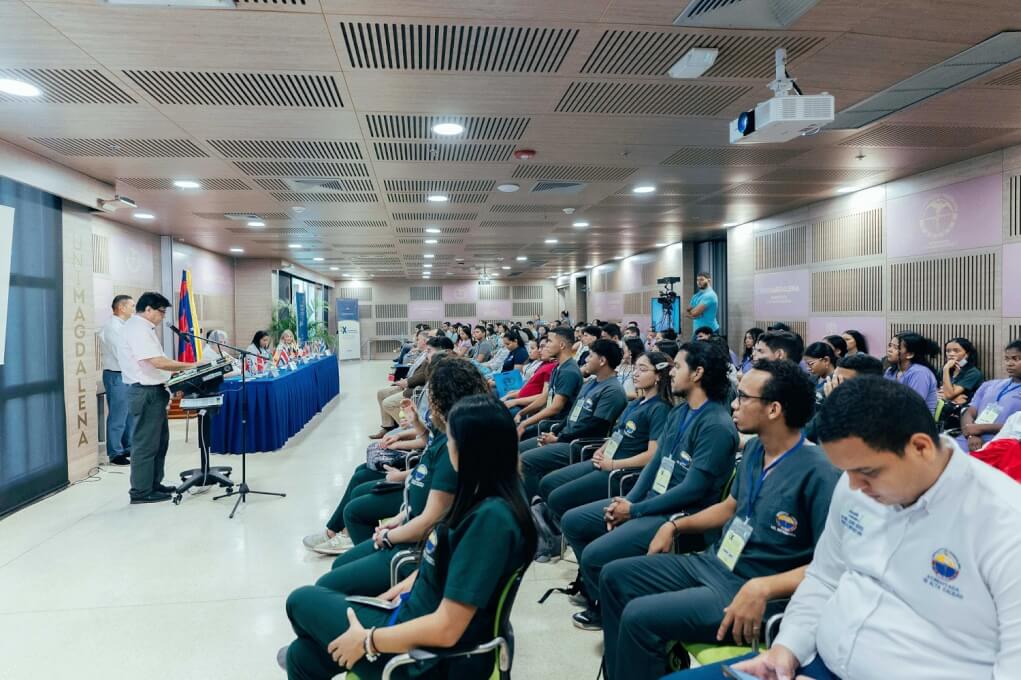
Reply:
x=91 y=587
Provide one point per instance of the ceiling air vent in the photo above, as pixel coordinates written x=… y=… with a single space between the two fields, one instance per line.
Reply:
x=435 y=216
x=548 y=187
x=272 y=184
x=167 y=184
x=302 y=168
x=242 y=216
x=572 y=173
x=453 y=47
x=122 y=148
x=328 y=184
x=219 y=88
x=925 y=136
x=766 y=14
x=343 y=224
x=464 y=153
x=322 y=197
x=67 y=86
x=615 y=97
x=729 y=155
x=422 y=197
x=395 y=126
x=287 y=149
x=475 y=185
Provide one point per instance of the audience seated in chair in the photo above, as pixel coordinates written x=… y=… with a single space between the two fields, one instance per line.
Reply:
x=564 y=384
x=993 y=403
x=908 y=355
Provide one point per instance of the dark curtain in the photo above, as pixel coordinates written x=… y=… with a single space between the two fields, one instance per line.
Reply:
x=711 y=256
x=33 y=455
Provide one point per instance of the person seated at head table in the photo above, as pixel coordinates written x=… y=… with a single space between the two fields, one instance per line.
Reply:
x=288 y=342
x=260 y=346
x=916 y=564
x=454 y=599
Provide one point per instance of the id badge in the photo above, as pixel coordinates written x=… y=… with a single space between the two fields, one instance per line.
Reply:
x=576 y=411
x=989 y=414
x=663 y=475
x=549 y=398
x=734 y=542
x=611 y=446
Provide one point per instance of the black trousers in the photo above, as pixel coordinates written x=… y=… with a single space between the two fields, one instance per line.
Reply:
x=539 y=461
x=573 y=486
x=147 y=404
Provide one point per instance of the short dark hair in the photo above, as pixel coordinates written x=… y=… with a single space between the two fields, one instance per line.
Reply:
x=669 y=334
x=862 y=364
x=705 y=274
x=609 y=350
x=838 y=344
x=513 y=336
x=151 y=299
x=612 y=329
x=564 y=333
x=636 y=347
x=440 y=342
x=778 y=326
x=715 y=365
x=882 y=413
x=704 y=329
x=821 y=350
x=668 y=347
x=791 y=387
x=117 y=299
x=594 y=331
x=790 y=343
x=1016 y=344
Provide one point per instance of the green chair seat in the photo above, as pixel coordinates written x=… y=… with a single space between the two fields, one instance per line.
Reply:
x=706 y=654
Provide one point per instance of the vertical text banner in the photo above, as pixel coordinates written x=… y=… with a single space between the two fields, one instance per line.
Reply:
x=6 y=241
x=299 y=303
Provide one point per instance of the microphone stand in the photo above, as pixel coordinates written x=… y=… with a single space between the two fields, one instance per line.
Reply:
x=243 y=488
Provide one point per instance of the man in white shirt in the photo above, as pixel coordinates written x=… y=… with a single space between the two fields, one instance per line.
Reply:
x=916 y=574
x=119 y=423
x=145 y=369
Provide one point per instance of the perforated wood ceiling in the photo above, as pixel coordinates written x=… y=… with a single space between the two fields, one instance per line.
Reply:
x=316 y=117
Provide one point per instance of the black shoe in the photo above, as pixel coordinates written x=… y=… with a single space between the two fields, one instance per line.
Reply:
x=163 y=488
x=590 y=619
x=152 y=497
x=120 y=460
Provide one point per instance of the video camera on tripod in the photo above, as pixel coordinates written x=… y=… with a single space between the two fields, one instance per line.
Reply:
x=667 y=295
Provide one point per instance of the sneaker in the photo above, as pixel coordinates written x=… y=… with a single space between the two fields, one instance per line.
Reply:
x=153 y=497
x=590 y=619
x=579 y=600
x=163 y=488
x=318 y=538
x=383 y=431
x=120 y=460
x=335 y=546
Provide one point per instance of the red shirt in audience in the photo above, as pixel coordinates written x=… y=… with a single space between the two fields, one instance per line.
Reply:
x=538 y=379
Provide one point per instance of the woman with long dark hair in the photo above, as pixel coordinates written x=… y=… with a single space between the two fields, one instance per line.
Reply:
x=751 y=336
x=960 y=376
x=633 y=349
x=909 y=356
x=486 y=538
x=838 y=344
x=856 y=342
x=631 y=445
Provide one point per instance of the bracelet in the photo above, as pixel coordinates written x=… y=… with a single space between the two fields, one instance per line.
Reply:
x=370 y=649
x=384 y=538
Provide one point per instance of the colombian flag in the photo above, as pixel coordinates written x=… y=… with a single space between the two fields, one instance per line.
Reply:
x=187 y=348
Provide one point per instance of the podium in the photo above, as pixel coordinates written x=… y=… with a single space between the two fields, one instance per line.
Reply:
x=201 y=386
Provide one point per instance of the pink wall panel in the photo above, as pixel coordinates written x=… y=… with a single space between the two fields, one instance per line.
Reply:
x=783 y=295
x=466 y=291
x=957 y=216
x=494 y=309
x=211 y=274
x=607 y=306
x=1012 y=279
x=425 y=310
x=132 y=254
x=872 y=327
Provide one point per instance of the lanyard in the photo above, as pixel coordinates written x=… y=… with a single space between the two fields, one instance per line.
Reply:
x=634 y=407
x=756 y=489
x=688 y=417
x=1007 y=389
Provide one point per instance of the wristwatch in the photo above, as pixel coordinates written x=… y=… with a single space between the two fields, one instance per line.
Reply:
x=370 y=649
x=384 y=538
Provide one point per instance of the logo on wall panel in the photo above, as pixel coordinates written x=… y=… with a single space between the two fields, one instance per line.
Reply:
x=939 y=217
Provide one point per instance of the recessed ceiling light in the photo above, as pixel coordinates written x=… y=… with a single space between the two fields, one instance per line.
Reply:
x=144 y=216
x=618 y=257
x=237 y=250
x=505 y=267
x=427 y=265
x=438 y=198
x=333 y=269
x=318 y=259
x=433 y=230
x=431 y=241
x=293 y=245
x=448 y=128
x=644 y=189
x=298 y=208
x=256 y=223
x=494 y=274
x=450 y=273
x=660 y=245
x=551 y=240
x=521 y=258
x=19 y=88
x=846 y=190
x=428 y=256
x=508 y=188
x=186 y=184
x=581 y=223
x=730 y=224
x=425 y=276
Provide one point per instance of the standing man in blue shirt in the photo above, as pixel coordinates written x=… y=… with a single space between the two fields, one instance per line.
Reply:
x=702 y=308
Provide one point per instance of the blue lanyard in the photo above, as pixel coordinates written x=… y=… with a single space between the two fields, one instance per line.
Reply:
x=1007 y=389
x=688 y=417
x=635 y=406
x=756 y=489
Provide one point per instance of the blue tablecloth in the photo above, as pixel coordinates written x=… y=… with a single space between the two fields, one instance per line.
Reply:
x=277 y=407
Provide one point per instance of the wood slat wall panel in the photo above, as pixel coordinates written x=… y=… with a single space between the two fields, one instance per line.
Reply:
x=857 y=289
x=784 y=247
x=855 y=235
x=982 y=334
x=966 y=283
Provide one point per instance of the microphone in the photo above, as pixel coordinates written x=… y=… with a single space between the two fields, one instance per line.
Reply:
x=174 y=328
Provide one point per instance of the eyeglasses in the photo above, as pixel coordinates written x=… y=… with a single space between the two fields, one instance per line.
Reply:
x=742 y=397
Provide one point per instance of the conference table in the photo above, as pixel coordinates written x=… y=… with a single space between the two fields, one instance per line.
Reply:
x=278 y=408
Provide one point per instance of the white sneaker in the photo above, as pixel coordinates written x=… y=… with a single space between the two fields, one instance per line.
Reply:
x=312 y=540
x=335 y=546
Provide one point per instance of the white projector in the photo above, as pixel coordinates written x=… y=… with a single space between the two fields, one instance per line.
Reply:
x=782 y=118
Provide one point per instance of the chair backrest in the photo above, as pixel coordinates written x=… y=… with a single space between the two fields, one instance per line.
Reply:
x=502 y=625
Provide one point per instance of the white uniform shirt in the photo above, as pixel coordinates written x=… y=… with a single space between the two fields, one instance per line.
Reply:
x=109 y=338
x=929 y=591
x=139 y=342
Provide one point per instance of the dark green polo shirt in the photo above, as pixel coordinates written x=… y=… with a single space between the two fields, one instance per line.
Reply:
x=639 y=424
x=433 y=471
